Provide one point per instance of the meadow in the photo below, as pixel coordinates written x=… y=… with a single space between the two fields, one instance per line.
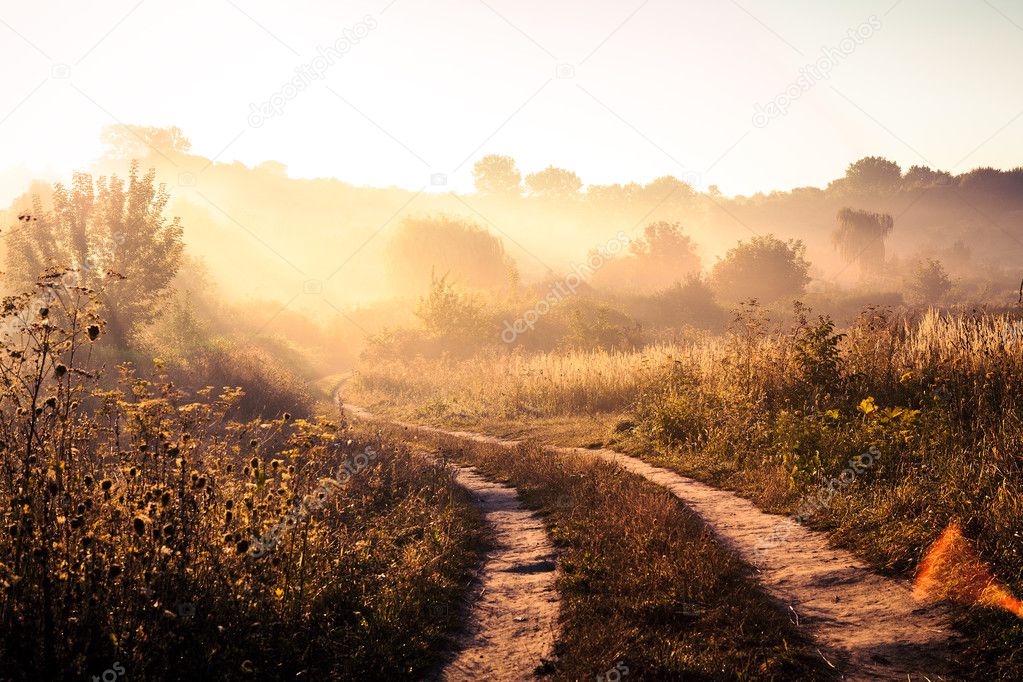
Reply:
x=158 y=534
x=774 y=412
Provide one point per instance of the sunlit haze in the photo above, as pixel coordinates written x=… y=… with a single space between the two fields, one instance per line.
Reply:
x=644 y=89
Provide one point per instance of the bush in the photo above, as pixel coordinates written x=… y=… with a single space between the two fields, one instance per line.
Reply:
x=145 y=530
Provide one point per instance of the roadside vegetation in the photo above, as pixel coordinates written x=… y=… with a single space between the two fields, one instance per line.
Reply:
x=776 y=412
x=151 y=531
x=644 y=585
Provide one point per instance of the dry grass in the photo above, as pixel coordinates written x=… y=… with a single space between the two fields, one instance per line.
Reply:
x=643 y=583
x=130 y=521
x=776 y=414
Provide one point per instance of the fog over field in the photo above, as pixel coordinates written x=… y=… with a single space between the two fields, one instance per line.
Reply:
x=489 y=340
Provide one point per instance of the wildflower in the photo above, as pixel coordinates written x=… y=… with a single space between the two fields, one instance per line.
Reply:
x=165 y=498
x=253 y=443
x=139 y=525
x=242 y=547
x=168 y=530
x=106 y=484
x=88 y=480
x=60 y=370
x=93 y=332
x=44 y=312
x=287 y=416
x=254 y=462
x=51 y=402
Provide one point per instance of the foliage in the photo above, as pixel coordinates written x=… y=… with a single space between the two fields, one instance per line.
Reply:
x=871 y=174
x=109 y=237
x=444 y=246
x=860 y=237
x=497 y=175
x=661 y=257
x=126 y=141
x=553 y=183
x=929 y=283
x=764 y=268
x=130 y=517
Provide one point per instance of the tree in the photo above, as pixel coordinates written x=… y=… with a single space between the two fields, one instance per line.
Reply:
x=662 y=256
x=929 y=282
x=111 y=237
x=426 y=248
x=497 y=175
x=667 y=188
x=922 y=177
x=553 y=182
x=872 y=175
x=137 y=142
x=860 y=237
x=764 y=268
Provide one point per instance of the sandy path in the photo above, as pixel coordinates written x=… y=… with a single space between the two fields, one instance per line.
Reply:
x=513 y=618
x=865 y=624
x=868 y=625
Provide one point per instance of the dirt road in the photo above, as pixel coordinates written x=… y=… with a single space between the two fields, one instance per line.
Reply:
x=513 y=618
x=867 y=626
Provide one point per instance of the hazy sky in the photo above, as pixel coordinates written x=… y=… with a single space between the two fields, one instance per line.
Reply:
x=616 y=91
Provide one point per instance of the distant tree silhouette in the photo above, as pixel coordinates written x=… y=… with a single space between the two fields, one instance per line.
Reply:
x=553 y=182
x=764 y=268
x=860 y=237
x=663 y=256
x=424 y=249
x=113 y=238
x=988 y=181
x=135 y=142
x=929 y=282
x=497 y=175
x=871 y=174
x=920 y=177
x=667 y=188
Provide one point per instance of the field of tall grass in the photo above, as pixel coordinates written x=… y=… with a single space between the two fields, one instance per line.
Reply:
x=776 y=413
x=152 y=533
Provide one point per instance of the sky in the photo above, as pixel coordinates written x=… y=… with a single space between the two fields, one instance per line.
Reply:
x=753 y=95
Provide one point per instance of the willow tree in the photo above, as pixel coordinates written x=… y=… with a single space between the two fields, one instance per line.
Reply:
x=108 y=235
x=860 y=237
